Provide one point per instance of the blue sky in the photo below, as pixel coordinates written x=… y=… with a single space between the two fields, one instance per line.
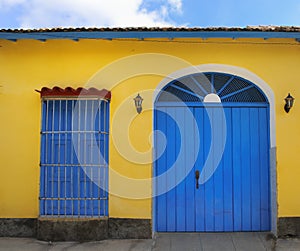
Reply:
x=122 y=13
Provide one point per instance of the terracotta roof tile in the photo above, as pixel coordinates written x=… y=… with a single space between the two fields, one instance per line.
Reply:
x=84 y=29
x=71 y=92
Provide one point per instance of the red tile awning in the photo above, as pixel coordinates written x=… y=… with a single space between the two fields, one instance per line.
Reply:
x=71 y=92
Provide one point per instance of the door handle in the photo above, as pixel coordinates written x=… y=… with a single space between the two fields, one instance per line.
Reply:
x=197 y=178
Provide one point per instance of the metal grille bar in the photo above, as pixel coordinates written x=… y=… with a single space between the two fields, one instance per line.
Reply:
x=58 y=198
x=228 y=87
x=74 y=158
x=86 y=132
x=75 y=165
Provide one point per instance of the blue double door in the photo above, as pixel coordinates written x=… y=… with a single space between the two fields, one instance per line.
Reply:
x=212 y=168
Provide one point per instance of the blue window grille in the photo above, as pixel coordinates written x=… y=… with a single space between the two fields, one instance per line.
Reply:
x=74 y=157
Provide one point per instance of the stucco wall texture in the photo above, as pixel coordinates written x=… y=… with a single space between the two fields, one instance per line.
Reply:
x=127 y=67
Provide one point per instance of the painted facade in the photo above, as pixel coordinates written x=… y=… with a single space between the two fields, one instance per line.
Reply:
x=125 y=66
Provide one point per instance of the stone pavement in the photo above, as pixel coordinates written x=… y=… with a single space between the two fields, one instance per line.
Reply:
x=164 y=242
x=214 y=241
x=27 y=244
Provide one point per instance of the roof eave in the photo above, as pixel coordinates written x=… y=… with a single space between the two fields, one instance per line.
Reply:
x=76 y=35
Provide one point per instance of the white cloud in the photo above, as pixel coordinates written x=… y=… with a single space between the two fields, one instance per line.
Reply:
x=6 y=4
x=176 y=5
x=91 y=13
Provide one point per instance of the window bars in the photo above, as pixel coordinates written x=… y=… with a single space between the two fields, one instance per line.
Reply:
x=74 y=157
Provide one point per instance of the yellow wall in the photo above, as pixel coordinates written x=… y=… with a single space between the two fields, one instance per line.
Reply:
x=27 y=65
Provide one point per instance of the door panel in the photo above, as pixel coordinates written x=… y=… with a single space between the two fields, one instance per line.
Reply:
x=227 y=161
x=236 y=196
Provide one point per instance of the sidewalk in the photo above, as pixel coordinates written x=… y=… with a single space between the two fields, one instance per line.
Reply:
x=243 y=241
x=164 y=242
x=27 y=244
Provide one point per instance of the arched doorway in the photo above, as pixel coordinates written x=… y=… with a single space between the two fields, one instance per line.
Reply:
x=213 y=160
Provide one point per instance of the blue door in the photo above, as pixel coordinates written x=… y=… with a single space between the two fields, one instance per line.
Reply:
x=212 y=162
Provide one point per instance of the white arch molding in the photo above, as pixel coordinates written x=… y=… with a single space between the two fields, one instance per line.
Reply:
x=233 y=70
x=253 y=78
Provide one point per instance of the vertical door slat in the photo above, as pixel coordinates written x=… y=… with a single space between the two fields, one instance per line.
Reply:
x=228 y=173
x=209 y=185
x=245 y=169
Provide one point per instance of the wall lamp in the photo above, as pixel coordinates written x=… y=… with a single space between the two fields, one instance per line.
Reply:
x=289 y=102
x=138 y=100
